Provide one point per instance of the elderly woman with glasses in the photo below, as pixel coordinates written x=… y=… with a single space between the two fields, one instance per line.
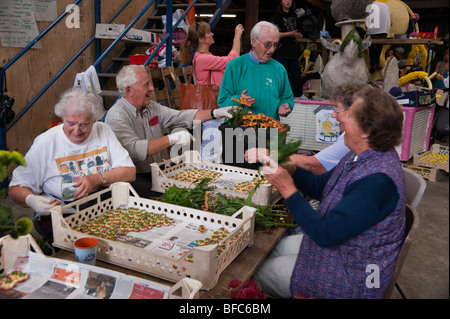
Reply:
x=257 y=78
x=350 y=244
x=69 y=161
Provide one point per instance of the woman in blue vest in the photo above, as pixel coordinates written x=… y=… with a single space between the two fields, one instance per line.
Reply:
x=350 y=244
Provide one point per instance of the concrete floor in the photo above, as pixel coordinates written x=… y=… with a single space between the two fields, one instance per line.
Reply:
x=425 y=274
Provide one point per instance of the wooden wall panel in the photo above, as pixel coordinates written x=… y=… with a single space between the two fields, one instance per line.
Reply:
x=30 y=74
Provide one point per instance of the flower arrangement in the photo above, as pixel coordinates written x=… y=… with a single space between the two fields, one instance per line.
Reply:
x=239 y=112
x=247 y=290
x=24 y=225
x=242 y=116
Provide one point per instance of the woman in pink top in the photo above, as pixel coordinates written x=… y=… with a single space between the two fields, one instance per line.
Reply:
x=208 y=69
x=200 y=38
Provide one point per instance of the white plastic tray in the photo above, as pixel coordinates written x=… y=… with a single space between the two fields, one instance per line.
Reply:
x=231 y=175
x=206 y=265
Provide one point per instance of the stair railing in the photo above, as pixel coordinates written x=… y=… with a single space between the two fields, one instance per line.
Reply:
x=167 y=39
x=3 y=129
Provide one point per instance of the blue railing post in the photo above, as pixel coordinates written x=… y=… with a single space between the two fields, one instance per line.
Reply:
x=165 y=39
x=98 y=42
x=124 y=32
x=169 y=30
x=53 y=80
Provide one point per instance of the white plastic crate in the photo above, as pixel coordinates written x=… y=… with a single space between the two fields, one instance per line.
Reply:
x=186 y=288
x=231 y=175
x=437 y=157
x=432 y=174
x=206 y=264
x=9 y=247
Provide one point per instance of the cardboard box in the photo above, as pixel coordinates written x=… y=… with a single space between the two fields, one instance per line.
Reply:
x=140 y=59
x=112 y=31
x=416 y=96
x=426 y=35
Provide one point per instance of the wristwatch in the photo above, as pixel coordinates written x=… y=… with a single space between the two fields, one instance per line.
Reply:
x=103 y=180
x=212 y=114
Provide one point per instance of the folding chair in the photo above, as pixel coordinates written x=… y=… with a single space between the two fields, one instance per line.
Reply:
x=415 y=187
x=412 y=222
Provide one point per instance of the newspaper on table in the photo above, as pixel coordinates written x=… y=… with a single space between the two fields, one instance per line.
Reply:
x=52 y=278
x=174 y=240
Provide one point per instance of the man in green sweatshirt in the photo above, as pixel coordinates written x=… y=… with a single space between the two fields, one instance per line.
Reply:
x=257 y=78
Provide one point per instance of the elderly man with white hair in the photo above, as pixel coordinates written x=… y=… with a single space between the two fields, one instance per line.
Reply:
x=138 y=123
x=257 y=78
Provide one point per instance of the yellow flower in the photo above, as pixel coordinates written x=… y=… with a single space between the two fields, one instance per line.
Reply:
x=412 y=76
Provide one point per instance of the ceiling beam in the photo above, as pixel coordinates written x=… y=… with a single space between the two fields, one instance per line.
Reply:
x=319 y=4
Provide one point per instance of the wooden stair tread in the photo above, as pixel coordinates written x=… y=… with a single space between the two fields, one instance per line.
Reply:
x=110 y=93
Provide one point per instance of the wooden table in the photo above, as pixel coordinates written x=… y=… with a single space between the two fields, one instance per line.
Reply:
x=242 y=267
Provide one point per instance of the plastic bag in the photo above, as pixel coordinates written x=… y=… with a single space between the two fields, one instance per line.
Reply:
x=307 y=24
x=175 y=17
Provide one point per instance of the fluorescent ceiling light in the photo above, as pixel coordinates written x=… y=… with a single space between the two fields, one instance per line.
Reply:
x=207 y=15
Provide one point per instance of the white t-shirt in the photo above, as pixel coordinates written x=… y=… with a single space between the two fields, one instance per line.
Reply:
x=55 y=164
x=378 y=19
x=329 y=157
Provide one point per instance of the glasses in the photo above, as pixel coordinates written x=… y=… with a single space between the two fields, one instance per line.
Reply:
x=268 y=45
x=81 y=126
x=336 y=110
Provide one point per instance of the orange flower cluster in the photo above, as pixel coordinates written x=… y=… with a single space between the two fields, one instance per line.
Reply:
x=241 y=101
x=262 y=121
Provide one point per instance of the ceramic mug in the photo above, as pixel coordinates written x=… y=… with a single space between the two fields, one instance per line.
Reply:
x=86 y=250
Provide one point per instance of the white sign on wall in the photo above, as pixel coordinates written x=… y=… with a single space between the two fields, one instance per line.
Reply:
x=327 y=127
x=18 y=20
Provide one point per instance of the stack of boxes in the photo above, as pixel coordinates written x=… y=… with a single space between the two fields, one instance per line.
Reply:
x=432 y=164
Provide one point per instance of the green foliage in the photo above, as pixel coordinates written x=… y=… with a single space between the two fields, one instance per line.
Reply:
x=353 y=35
x=238 y=113
x=23 y=226
x=266 y=216
x=285 y=150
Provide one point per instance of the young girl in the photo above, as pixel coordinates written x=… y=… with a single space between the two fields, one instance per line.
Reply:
x=286 y=21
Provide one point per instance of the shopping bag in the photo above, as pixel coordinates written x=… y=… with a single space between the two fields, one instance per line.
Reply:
x=199 y=96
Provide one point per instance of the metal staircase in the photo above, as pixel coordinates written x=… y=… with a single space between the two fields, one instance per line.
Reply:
x=155 y=24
